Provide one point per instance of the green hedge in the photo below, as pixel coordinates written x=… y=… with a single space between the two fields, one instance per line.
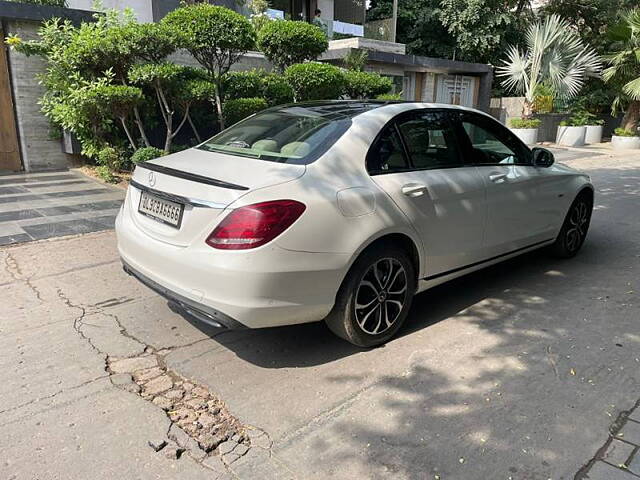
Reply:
x=361 y=85
x=276 y=90
x=246 y=84
x=240 y=108
x=315 y=81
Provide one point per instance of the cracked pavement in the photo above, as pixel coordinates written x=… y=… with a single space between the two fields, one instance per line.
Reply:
x=521 y=371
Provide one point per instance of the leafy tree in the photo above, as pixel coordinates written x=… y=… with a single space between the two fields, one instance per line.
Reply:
x=355 y=60
x=240 y=108
x=116 y=100
x=216 y=37
x=363 y=85
x=315 y=81
x=555 y=56
x=166 y=79
x=591 y=19
x=474 y=30
x=480 y=27
x=624 y=67
x=286 y=42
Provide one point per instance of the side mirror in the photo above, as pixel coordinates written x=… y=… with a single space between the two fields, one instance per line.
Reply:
x=542 y=157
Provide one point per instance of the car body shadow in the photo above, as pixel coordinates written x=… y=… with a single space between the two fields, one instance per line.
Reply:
x=314 y=344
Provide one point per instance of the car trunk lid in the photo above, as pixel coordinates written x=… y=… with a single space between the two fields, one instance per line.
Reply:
x=205 y=183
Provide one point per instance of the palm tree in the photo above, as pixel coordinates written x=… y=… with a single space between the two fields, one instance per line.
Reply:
x=624 y=67
x=555 y=55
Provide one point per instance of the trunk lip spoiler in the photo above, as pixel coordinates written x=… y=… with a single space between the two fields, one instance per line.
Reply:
x=190 y=176
x=195 y=202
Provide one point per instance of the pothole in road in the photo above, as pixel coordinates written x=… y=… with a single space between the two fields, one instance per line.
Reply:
x=200 y=422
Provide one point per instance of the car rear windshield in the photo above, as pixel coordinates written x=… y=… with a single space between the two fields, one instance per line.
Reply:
x=296 y=134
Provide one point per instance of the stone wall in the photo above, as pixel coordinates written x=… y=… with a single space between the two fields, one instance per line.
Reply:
x=39 y=152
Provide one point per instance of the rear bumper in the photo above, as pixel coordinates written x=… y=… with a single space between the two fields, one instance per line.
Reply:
x=184 y=305
x=265 y=287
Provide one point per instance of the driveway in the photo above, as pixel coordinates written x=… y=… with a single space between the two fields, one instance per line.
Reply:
x=519 y=371
x=34 y=206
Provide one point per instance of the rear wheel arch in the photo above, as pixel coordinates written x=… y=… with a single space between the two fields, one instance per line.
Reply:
x=401 y=240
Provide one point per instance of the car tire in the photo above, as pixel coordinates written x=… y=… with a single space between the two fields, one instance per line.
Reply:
x=375 y=297
x=574 y=229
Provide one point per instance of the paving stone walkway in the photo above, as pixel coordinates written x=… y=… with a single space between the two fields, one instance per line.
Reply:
x=53 y=204
x=619 y=457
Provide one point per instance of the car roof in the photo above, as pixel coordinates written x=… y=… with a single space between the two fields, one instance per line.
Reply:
x=354 y=108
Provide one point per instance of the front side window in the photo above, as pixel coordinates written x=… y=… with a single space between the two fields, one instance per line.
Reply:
x=430 y=140
x=489 y=146
x=290 y=134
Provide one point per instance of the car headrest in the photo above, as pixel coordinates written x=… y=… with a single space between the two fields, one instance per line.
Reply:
x=266 y=145
x=296 y=149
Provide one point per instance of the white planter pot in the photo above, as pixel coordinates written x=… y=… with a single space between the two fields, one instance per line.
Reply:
x=625 y=143
x=527 y=135
x=593 y=134
x=571 y=136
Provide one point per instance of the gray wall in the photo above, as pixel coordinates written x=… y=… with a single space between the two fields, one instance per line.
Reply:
x=39 y=152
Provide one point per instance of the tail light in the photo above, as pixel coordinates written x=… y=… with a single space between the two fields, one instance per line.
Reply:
x=254 y=225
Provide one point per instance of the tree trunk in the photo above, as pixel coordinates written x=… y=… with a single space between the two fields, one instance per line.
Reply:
x=219 y=102
x=527 y=109
x=123 y=120
x=193 y=127
x=170 y=135
x=143 y=134
x=631 y=116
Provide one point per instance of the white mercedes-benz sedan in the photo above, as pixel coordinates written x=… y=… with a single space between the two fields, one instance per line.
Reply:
x=342 y=211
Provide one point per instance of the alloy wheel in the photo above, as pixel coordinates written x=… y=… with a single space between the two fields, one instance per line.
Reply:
x=380 y=296
x=578 y=224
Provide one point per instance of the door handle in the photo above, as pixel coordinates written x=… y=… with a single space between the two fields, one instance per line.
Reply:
x=497 y=177
x=413 y=189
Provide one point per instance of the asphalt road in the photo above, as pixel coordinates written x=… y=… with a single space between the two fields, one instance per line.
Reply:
x=516 y=371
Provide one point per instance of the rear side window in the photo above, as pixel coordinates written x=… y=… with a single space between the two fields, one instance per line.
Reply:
x=430 y=140
x=387 y=154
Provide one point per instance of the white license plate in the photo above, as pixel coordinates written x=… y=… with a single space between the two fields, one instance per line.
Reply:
x=162 y=210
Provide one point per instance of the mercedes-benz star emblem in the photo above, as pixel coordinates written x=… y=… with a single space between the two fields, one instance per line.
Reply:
x=152 y=179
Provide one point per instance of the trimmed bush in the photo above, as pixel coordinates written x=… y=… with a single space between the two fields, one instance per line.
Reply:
x=524 y=123
x=286 y=42
x=216 y=37
x=276 y=90
x=361 y=85
x=390 y=97
x=246 y=84
x=315 y=81
x=241 y=108
x=145 y=154
x=623 y=132
x=110 y=158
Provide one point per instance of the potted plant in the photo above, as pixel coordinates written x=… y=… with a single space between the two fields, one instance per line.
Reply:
x=624 y=139
x=526 y=129
x=571 y=132
x=594 y=128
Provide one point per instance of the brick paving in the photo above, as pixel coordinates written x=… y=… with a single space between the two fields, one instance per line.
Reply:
x=619 y=458
x=54 y=204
